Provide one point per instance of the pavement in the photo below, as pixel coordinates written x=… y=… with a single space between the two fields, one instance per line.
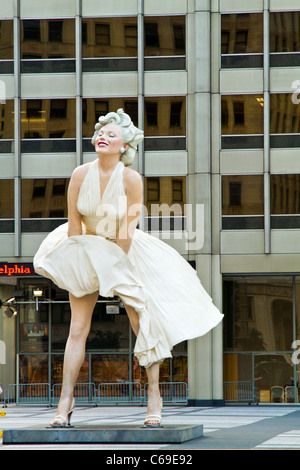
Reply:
x=248 y=427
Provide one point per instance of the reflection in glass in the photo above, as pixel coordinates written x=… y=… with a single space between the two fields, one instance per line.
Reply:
x=44 y=198
x=165 y=195
x=242 y=114
x=242 y=33
x=164 y=35
x=44 y=118
x=109 y=37
x=272 y=374
x=165 y=116
x=111 y=368
x=108 y=331
x=284 y=114
x=285 y=31
x=7 y=119
x=57 y=361
x=242 y=195
x=33 y=329
x=43 y=39
x=61 y=316
x=285 y=194
x=93 y=108
x=33 y=369
x=259 y=313
x=6 y=40
x=7 y=199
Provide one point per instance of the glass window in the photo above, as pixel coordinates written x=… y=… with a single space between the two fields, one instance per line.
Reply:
x=48 y=118
x=165 y=195
x=44 y=39
x=110 y=368
x=109 y=331
x=7 y=119
x=284 y=31
x=165 y=116
x=164 y=35
x=242 y=114
x=242 y=194
x=33 y=369
x=6 y=40
x=284 y=114
x=44 y=198
x=258 y=313
x=93 y=108
x=285 y=194
x=242 y=33
x=7 y=199
x=57 y=361
x=109 y=37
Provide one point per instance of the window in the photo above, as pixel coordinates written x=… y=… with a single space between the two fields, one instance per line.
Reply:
x=112 y=37
x=164 y=35
x=284 y=114
x=7 y=199
x=151 y=35
x=163 y=193
x=58 y=109
x=6 y=40
x=242 y=33
x=44 y=198
x=102 y=34
x=153 y=194
x=44 y=39
x=165 y=116
x=31 y=30
x=284 y=31
x=7 y=120
x=93 y=108
x=242 y=195
x=242 y=114
x=151 y=113
x=55 y=31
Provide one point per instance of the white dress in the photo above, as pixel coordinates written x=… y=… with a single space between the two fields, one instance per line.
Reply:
x=153 y=278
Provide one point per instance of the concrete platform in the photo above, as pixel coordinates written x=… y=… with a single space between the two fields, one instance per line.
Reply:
x=103 y=434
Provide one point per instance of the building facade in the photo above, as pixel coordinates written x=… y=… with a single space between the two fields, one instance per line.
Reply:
x=214 y=84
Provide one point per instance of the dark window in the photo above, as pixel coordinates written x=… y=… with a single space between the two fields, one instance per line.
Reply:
x=55 y=29
x=235 y=192
x=151 y=35
x=151 y=113
x=31 y=30
x=58 y=109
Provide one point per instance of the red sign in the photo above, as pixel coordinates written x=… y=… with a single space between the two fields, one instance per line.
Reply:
x=17 y=269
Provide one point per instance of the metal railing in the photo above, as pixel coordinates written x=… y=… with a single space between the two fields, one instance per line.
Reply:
x=242 y=391
x=88 y=393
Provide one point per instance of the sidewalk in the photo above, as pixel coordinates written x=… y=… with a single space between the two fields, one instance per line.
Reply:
x=228 y=427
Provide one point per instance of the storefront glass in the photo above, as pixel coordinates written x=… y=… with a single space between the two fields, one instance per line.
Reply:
x=42 y=332
x=260 y=334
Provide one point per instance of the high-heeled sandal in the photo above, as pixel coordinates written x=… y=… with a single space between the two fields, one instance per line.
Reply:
x=153 y=421
x=60 y=421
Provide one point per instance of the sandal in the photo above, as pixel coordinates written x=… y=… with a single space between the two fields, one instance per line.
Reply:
x=60 y=421
x=152 y=421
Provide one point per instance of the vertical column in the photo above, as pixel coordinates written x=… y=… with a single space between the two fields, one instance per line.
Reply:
x=78 y=36
x=266 y=75
x=141 y=95
x=17 y=128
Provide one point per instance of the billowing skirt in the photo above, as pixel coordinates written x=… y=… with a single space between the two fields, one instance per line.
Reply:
x=153 y=278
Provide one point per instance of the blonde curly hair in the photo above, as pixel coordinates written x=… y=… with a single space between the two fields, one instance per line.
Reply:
x=131 y=135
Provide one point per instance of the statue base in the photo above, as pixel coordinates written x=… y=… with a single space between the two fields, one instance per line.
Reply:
x=113 y=434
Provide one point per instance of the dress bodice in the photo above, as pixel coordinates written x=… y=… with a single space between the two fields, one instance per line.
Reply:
x=102 y=216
